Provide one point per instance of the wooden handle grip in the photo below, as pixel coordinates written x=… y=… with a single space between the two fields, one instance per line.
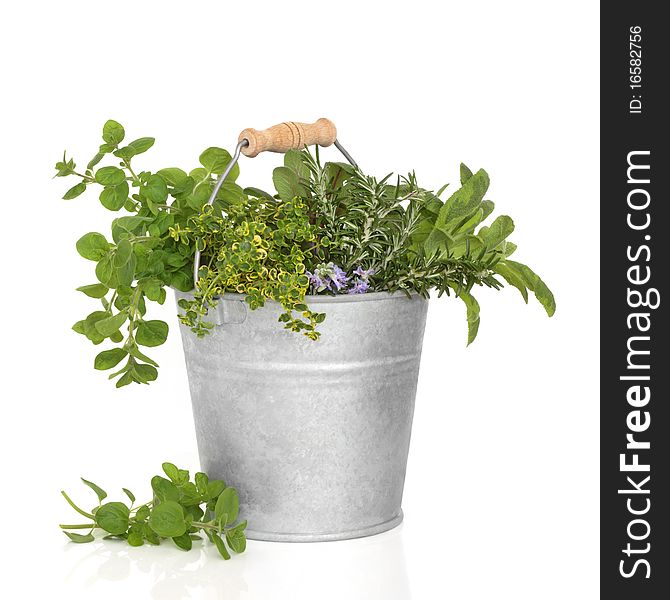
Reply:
x=287 y=136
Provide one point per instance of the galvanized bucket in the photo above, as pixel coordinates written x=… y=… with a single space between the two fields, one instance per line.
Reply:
x=313 y=434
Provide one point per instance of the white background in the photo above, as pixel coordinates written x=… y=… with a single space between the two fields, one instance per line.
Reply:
x=501 y=492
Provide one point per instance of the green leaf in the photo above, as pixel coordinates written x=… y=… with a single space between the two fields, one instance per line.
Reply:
x=167 y=519
x=95 y=160
x=113 y=517
x=173 y=176
x=135 y=352
x=201 y=482
x=512 y=277
x=142 y=513
x=75 y=191
x=214 y=488
x=228 y=504
x=135 y=539
x=124 y=251
x=465 y=174
x=105 y=273
x=287 y=183
x=220 y=546
x=109 y=358
x=92 y=246
x=95 y=290
x=134 y=148
x=533 y=282
x=78 y=538
x=130 y=495
x=109 y=325
x=215 y=160
x=171 y=471
x=110 y=176
x=236 y=538
x=125 y=379
x=472 y=314
x=87 y=327
x=163 y=489
x=145 y=373
x=183 y=541
x=126 y=273
x=464 y=201
x=114 y=197
x=155 y=189
x=257 y=193
x=113 y=132
x=102 y=494
x=151 y=333
x=502 y=227
x=293 y=160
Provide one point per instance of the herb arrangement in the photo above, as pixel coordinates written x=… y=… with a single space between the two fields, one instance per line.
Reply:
x=177 y=511
x=328 y=229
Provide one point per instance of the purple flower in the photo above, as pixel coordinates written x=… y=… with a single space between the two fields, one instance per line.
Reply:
x=363 y=274
x=360 y=286
x=328 y=277
x=339 y=277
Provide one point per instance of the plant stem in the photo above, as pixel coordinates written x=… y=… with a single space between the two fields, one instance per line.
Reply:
x=79 y=510
x=80 y=526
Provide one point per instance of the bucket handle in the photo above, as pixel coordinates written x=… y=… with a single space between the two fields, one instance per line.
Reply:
x=286 y=136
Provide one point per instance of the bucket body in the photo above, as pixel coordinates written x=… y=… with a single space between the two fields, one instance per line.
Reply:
x=313 y=434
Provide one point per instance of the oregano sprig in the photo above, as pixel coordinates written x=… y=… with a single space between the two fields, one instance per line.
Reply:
x=180 y=510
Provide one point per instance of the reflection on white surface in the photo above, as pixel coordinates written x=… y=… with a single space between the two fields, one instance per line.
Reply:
x=368 y=568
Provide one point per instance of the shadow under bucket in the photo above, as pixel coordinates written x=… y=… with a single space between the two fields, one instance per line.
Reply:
x=313 y=434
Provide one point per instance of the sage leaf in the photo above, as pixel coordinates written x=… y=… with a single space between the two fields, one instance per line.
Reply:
x=535 y=285
x=513 y=278
x=465 y=174
x=499 y=230
x=472 y=315
x=465 y=200
x=287 y=183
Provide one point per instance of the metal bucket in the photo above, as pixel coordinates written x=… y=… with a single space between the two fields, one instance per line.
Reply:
x=313 y=434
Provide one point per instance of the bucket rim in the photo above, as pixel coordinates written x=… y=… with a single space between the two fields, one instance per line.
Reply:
x=327 y=299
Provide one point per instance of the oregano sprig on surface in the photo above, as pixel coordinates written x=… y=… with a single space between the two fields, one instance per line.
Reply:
x=179 y=510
